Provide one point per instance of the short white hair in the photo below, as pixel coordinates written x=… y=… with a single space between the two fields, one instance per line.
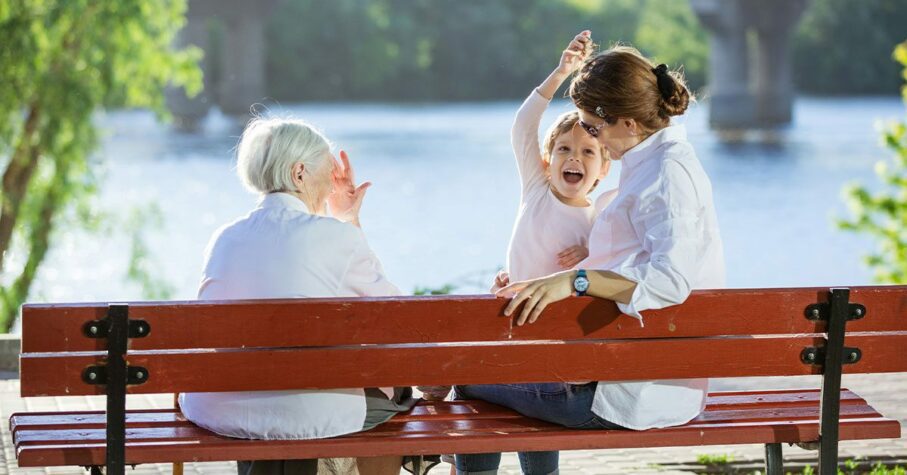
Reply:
x=269 y=148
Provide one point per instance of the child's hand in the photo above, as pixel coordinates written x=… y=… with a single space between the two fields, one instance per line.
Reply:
x=434 y=393
x=501 y=280
x=577 y=51
x=572 y=256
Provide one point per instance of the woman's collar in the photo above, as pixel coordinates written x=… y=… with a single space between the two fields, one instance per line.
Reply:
x=279 y=199
x=671 y=133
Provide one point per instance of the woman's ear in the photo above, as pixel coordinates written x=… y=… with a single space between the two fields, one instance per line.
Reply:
x=631 y=126
x=297 y=172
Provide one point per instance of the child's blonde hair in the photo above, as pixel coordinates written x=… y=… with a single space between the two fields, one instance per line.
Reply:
x=563 y=124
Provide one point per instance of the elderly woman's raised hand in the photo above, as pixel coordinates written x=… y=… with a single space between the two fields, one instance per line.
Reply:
x=346 y=199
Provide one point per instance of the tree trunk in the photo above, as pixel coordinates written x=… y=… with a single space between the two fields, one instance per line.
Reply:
x=39 y=243
x=18 y=174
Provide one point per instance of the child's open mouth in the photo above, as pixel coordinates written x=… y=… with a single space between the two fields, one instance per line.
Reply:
x=573 y=176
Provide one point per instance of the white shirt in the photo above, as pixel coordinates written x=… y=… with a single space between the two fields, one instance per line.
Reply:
x=545 y=225
x=661 y=231
x=279 y=250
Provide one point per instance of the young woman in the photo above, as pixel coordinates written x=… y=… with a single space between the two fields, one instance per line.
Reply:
x=655 y=242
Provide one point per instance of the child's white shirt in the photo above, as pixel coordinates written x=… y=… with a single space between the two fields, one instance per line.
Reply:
x=544 y=226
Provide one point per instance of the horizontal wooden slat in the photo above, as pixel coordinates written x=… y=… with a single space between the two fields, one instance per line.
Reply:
x=331 y=322
x=410 y=365
x=430 y=428
x=716 y=402
x=204 y=449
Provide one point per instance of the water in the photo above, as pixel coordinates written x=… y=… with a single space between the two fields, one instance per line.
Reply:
x=445 y=195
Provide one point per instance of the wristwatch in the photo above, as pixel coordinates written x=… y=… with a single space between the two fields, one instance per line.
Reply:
x=580 y=283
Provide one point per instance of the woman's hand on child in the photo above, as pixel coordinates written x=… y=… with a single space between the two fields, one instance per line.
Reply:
x=573 y=255
x=346 y=198
x=579 y=49
x=536 y=294
x=500 y=281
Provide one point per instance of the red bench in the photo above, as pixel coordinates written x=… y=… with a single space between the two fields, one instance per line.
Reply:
x=168 y=347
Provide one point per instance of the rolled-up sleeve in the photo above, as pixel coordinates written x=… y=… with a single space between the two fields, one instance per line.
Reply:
x=670 y=223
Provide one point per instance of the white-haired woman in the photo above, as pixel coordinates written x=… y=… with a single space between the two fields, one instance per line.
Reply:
x=289 y=247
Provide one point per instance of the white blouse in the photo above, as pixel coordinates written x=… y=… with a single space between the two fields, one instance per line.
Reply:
x=661 y=231
x=280 y=250
x=545 y=225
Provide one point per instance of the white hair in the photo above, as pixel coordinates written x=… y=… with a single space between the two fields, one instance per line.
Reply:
x=269 y=148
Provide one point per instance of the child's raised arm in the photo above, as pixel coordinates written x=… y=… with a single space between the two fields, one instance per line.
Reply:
x=524 y=134
x=571 y=59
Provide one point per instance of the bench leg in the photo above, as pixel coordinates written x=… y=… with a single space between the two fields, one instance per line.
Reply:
x=178 y=468
x=95 y=470
x=774 y=461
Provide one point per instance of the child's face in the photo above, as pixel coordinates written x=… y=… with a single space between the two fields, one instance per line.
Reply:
x=576 y=163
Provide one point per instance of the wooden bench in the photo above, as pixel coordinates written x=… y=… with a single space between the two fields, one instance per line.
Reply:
x=169 y=347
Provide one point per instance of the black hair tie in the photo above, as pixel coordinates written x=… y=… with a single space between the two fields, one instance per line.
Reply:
x=665 y=81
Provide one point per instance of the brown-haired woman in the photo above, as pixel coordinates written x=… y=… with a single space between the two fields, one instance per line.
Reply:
x=653 y=244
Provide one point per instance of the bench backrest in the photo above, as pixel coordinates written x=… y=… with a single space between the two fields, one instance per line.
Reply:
x=360 y=342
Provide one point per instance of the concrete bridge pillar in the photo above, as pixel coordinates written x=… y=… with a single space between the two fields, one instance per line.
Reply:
x=750 y=83
x=241 y=76
x=187 y=113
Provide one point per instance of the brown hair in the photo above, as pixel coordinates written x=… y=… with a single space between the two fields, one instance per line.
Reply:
x=621 y=82
x=563 y=124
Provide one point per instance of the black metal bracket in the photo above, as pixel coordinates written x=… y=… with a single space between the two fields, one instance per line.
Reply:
x=98 y=375
x=115 y=375
x=822 y=311
x=832 y=357
x=101 y=328
x=816 y=355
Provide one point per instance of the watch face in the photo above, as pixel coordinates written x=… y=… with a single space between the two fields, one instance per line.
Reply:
x=581 y=284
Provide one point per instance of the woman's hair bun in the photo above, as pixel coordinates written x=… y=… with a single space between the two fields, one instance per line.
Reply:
x=677 y=96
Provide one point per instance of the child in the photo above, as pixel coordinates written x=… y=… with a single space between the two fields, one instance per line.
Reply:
x=555 y=216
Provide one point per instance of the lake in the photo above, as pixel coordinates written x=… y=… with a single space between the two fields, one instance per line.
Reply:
x=446 y=191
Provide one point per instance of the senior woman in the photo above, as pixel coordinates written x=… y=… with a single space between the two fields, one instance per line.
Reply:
x=656 y=241
x=288 y=247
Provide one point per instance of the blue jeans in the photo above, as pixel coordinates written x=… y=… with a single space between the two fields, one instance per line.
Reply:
x=560 y=403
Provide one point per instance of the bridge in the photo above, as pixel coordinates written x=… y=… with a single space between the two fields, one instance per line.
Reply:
x=749 y=86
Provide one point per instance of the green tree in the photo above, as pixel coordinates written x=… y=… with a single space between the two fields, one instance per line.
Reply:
x=844 y=47
x=671 y=33
x=60 y=62
x=883 y=214
x=456 y=49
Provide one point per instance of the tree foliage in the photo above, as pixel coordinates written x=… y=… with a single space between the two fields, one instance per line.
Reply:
x=474 y=50
x=883 y=214
x=844 y=47
x=60 y=62
x=457 y=49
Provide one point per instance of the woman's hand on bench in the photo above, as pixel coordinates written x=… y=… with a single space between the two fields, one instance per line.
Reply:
x=537 y=294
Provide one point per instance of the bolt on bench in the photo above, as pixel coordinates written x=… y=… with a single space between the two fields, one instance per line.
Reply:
x=171 y=347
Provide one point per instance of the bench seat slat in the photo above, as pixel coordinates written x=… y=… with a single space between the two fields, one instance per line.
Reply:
x=430 y=428
x=505 y=362
x=716 y=401
x=331 y=322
